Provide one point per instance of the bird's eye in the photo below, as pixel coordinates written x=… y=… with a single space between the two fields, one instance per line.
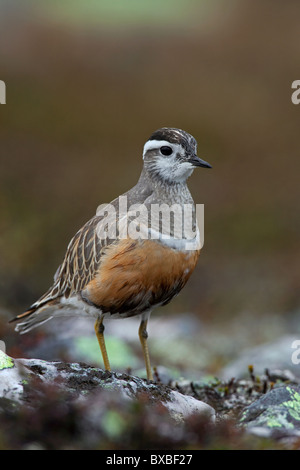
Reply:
x=165 y=150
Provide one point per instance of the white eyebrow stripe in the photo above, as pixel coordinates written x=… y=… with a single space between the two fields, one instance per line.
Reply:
x=152 y=144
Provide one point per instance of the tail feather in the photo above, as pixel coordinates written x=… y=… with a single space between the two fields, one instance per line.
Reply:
x=34 y=316
x=22 y=315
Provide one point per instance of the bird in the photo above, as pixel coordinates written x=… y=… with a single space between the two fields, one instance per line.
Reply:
x=115 y=274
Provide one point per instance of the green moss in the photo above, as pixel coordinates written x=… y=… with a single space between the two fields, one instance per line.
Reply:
x=6 y=362
x=279 y=421
x=113 y=423
x=119 y=353
x=293 y=405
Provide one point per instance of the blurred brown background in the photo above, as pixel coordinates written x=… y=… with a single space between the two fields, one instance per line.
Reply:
x=88 y=82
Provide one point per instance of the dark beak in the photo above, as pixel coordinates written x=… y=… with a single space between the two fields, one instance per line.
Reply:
x=196 y=161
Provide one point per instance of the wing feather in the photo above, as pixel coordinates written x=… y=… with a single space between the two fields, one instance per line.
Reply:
x=80 y=265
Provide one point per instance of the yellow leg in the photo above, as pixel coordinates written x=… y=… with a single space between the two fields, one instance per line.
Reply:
x=99 y=329
x=143 y=335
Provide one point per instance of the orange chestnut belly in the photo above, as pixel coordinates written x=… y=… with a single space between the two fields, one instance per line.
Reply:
x=135 y=275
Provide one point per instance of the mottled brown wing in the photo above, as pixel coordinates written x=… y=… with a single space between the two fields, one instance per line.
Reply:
x=81 y=262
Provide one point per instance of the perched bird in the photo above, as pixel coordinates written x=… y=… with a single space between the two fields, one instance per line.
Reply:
x=108 y=275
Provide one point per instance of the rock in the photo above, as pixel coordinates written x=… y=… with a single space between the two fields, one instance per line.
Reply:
x=278 y=411
x=183 y=406
x=273 y=355
x=11 y=378
x=78 y=381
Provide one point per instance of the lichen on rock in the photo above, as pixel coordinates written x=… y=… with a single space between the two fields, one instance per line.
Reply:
x=278 y=409
x=6 y=362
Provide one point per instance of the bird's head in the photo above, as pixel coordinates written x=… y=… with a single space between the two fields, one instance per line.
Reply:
x=170 y=154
